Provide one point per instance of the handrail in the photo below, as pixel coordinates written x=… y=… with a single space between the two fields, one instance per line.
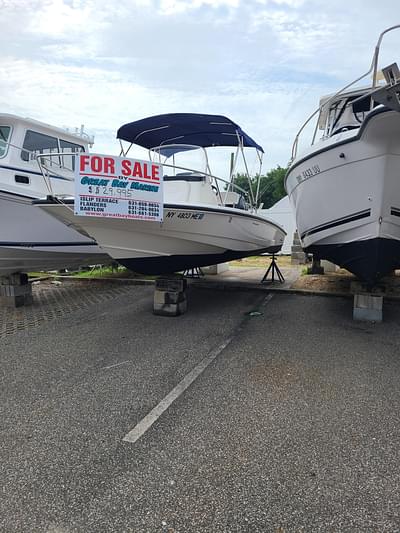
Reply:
x=44 y=169
x=373 y=68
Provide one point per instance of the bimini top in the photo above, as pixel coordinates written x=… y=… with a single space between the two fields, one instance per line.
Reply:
x=185 y=128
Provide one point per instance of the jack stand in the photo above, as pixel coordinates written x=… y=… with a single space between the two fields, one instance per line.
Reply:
x=274 y=269
x=315 y=267
x=368 y=302
x=170 y=296
x=194 y=272
x=15 y=290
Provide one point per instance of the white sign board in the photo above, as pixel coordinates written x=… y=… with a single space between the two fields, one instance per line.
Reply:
x=118 y=187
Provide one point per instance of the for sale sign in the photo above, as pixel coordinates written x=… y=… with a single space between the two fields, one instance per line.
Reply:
x=118 y=187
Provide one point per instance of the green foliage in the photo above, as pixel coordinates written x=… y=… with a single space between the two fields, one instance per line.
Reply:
x=271 y=187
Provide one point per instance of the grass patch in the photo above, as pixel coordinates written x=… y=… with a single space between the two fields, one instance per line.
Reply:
x=261 y=261
x=97 y=271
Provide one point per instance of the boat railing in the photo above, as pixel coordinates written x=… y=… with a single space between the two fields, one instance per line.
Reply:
x=164 y=149
x=46 y=166
x=206 y=174
x=47 y=170
x=373 y=69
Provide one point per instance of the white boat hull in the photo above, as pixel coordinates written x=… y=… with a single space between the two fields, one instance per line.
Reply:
x=346 y=197
x=32 y=240
x=190 y=236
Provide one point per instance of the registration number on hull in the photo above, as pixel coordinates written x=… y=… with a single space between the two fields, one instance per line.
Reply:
x=308 y=173
x=188 y=215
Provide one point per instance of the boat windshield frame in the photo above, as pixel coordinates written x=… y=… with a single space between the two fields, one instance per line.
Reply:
x=5 y=142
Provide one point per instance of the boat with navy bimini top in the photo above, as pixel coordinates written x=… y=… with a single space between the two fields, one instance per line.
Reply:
x=345 y=187
x=206 y=219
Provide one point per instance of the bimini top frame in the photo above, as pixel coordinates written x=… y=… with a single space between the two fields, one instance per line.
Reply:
x=172 y=133
x=187 y=129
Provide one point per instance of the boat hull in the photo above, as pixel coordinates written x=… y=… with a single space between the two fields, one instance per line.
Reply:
x=32 y=240
x=346 y=197
x=190 y=236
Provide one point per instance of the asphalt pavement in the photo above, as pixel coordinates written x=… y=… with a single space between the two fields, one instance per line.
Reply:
x=293 y=424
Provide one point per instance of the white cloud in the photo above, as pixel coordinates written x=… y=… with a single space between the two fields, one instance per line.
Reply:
x=169 y=7
x=263 y=62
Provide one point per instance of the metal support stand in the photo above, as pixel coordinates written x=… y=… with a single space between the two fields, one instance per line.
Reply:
x=15 y=290
x=273 y=269
x=170 y=296
x=195 y=272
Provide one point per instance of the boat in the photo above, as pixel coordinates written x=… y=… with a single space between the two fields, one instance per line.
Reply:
x=205 y=221
x=30 y=239
x=344 y=188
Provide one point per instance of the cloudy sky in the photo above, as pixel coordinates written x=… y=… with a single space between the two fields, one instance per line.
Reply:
x=263 y=63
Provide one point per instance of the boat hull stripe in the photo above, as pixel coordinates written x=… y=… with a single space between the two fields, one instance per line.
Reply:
x=18 y=169
x=338 y=222
x=16 y=244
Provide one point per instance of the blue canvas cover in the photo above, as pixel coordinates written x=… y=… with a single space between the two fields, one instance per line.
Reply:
x=185 y=128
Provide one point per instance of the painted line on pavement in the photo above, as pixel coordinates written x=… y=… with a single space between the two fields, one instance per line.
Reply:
x=159 y=409
x=116 y=364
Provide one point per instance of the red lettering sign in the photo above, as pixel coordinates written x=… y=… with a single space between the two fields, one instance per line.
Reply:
x=154 y=173
x=96 y=164
x=137 y=170
x=83 y=162
x=109 y=165
x=126 y=167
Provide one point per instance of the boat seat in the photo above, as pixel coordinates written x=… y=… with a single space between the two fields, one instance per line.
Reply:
x=233 y=199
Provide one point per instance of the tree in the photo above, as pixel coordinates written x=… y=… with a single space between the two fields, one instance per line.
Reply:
x=271 y=188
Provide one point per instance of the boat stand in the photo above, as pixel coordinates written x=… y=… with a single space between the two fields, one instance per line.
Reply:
x=273 y=269
x=194 y=273
x=170 y=296
x=368 y=302
x=15 y=290
x=316 y=267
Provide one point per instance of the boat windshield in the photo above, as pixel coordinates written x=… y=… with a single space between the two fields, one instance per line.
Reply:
x=345 y=114
x=181 y=158
x=57 y=152
x=4 y=139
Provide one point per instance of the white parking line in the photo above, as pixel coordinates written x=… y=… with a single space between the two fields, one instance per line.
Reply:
x=155 y=413
x=116 y=364
x=159 y=409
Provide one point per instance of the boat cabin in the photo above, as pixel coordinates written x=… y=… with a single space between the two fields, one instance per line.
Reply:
x=22 y=140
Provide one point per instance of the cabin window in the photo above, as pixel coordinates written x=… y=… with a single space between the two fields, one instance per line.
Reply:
x=68 y=159
x=4 y=138
x=37 y=143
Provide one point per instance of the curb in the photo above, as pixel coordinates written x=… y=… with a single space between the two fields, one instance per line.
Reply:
x=218 y=285
x=264 y=287
x=128 y=281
